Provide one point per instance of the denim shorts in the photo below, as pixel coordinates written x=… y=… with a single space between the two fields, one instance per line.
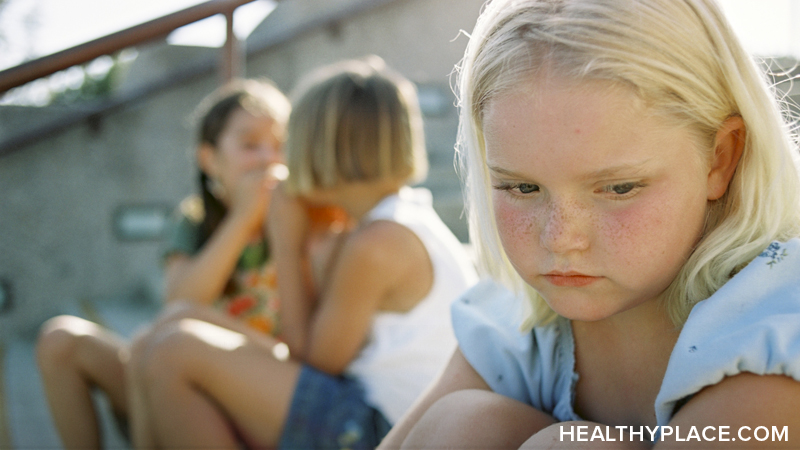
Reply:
x=330 y=412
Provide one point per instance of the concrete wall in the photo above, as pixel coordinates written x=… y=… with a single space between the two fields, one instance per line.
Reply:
x=58 y=196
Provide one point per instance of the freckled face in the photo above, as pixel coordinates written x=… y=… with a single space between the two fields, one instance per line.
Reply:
x=598 y=203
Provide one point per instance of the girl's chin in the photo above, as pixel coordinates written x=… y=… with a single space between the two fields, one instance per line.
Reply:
x=580 y=310
x=584 y=316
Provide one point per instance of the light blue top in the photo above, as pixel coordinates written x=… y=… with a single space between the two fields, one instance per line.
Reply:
x=752 y=324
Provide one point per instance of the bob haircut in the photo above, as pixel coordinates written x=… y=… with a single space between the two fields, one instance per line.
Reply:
x=354 y=121
x=683 y=60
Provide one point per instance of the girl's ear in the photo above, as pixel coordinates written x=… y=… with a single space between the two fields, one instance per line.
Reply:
x=730 y=142
x=207 y=159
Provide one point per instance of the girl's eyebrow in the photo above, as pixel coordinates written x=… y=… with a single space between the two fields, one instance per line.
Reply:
x=501 y=171
x=627 y=169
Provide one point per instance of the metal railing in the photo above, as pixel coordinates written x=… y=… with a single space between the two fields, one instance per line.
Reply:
x=154 y=29
x=229 y=66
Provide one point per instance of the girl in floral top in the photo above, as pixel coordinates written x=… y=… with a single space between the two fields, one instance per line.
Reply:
x=216 y=253
x=216 y=256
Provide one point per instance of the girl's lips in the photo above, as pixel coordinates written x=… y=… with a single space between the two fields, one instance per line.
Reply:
x=570 y=279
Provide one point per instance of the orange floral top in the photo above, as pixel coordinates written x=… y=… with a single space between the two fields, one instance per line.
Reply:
x=251 y=294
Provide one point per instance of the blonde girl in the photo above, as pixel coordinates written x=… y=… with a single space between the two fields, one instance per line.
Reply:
x=216 y=255
x=633 y=194
x=361 y=346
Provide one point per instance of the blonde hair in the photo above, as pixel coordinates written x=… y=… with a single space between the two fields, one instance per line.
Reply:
x=354 y=121
x=683 y=60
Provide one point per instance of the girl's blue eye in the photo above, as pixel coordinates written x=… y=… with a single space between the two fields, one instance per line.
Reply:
x=623 y=190
x=517 y=188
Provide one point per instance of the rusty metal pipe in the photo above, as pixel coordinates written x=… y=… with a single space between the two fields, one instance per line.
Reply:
x=33 y=70
x=178 y=77
x=232 y=64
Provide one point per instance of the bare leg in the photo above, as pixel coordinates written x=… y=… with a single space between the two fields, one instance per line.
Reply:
x=322 y=250
x=476 y=419
x=200 y=377
x=140 y=419
x=74 y=356
x=139 y=422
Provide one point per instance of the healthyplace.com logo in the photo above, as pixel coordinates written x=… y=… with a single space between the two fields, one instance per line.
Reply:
x=586 y=433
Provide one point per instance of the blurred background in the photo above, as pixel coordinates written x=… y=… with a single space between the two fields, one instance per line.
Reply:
x=95 y=155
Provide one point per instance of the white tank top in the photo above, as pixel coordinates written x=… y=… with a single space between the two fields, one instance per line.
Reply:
x=404 y=352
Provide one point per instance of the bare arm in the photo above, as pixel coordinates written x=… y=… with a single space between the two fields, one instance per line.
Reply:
x=373 y=262
x=565 y=435
x=201 y=278
x=744 y=400
x=723 y=416
x=326 y=329
x=497 y=423
x=718 y=414
x=288 y=226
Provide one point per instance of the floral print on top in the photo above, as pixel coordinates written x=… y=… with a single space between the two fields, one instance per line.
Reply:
x=775 y=254
x=251 y=294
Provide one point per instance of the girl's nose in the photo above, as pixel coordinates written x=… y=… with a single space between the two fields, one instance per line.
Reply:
x=565 y=228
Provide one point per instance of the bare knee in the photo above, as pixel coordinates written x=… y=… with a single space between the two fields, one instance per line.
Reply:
x=160 y=355
x=138 y=351
x=148 y=338
x=176 y=310
x=476 y=418
x=460 y=410
x=186 y=349
x=59 y=341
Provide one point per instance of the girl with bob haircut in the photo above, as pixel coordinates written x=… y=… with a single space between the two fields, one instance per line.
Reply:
x=633 y=195
x=333 y=142
x=370 y=331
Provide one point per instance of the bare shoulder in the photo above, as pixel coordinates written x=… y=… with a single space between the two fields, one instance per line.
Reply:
x=391 y=259
x=375 y=259
x=385 y=242
x=385 y=232
x=738 y=405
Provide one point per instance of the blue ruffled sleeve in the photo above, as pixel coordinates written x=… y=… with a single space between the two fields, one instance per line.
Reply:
x=751 y=324
x=534 y=367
